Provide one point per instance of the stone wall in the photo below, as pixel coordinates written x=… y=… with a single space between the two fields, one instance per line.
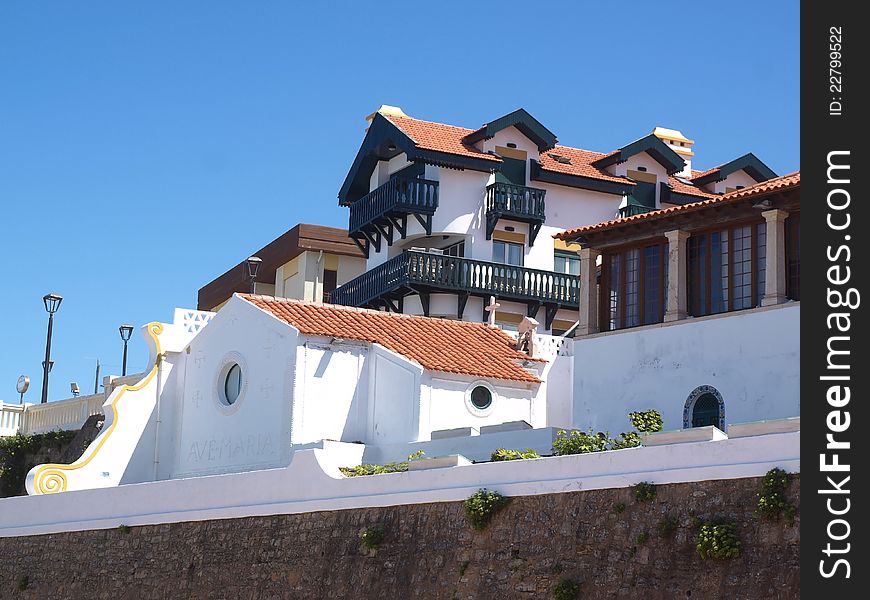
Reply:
x=429 y=552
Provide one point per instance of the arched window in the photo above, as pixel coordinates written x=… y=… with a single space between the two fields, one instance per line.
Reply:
x=704 y=406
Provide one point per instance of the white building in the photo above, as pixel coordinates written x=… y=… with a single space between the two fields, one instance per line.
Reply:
x=448 y=216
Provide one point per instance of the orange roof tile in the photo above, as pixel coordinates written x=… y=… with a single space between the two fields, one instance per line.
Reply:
x=776 y=184
x=580 y=163
x=436 y=344
x=683 y=188
x=439 y=137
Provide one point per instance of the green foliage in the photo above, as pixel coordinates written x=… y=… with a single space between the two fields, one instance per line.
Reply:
x=771 y=499
x=625 y=440
x=393 y=467
x=372 y=537
x=557 y=568
x=579 y=442
x=718 y=540
x=123 y=528
x=566 y=589
x=647 y=421
x=15 y=449
x=463 y=567
x=619 y=507
x=667 y=525
x=644 y=491
x=23 y=583
x=695 y=521
x=642 y=538
x=504 y=454
x=482 y=505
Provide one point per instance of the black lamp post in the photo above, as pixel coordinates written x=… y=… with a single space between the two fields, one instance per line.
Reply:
x=253 y=263
x=52 y=303
x=126 y=331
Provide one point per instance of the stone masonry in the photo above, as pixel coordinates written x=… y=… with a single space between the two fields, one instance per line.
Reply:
x=429 y=552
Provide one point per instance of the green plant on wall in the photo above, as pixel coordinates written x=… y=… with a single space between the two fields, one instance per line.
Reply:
x=566 y=589
x=619 y=507
x=579 y=442
x=718 y=540
x=372 y=537
x=503 y=454
x=647 y=421
x=625 y=440
x=15 y=449
x=667 y=525
x=644 y=491
x=482 y=505
x=771 y=499
x=23 y=583
x=642 y=538
x=392 y=467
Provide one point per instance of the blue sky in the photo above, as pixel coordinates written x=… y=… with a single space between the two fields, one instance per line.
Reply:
x=147 y=147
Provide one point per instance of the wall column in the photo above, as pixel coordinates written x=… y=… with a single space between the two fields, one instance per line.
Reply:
x=774 y=264
x=677 y=296
x=588 y=293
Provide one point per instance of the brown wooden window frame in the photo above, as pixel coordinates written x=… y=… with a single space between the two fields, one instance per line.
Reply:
x=621 y=254
x=793 y=256
x=701 y=305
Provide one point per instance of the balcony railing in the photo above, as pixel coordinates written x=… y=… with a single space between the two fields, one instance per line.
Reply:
x=634 y=209
x=516 y=202
x=386 y=208
x=415 y=271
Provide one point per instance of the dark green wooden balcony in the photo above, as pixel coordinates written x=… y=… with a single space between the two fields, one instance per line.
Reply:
x=634 y=209
x=425 y=273
x=382 y=213
x=517 y=203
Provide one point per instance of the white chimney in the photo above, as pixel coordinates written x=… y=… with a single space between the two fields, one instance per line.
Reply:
x=680 y=144
x=385 y=109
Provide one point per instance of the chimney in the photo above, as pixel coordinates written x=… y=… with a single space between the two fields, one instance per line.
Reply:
x=680 y=144
x=385 y=109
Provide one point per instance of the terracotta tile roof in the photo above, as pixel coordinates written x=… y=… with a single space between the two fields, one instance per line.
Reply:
x=697 y=174
x=436 y=344
x=684 y=188
x=580 y=163
x=776 y=184
x=439 y=137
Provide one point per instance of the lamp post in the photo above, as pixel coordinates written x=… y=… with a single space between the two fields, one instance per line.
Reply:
x=253 y=263
x=52 y=303
x=126 y=331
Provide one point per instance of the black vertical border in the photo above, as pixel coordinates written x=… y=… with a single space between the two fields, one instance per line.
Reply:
x=822 y=133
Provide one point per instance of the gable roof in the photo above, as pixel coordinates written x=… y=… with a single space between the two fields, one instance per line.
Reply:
x=749 y=163
x=778 y=184
x=437 y=344
x=652 y=145
x=528 y=125
x=440 y=137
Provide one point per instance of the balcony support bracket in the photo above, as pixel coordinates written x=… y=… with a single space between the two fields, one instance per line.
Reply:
x=461 y=301
x=425 y=222
x=551 y=315
x=533 y=308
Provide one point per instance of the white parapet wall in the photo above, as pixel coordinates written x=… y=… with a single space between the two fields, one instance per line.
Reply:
x=313 y=482
x=61 y=415
x=10 y=418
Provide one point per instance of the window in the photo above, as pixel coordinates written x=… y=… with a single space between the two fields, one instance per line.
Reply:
x=793 y=255
x=633 y=289
x=457 y=249
x=566 y=262
x=330 y=282
x=704 y=407
x=642 y=169
x=507 y=253
x=726 y=269
x=232 y=384
x=481 y=397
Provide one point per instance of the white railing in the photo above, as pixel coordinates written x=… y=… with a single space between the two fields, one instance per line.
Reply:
x=63 y=414
x=10 y=418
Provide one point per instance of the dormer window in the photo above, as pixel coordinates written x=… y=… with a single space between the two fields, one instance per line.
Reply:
x=642 y=169
x=511 y=145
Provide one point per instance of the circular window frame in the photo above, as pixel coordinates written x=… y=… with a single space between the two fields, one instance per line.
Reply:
x=474 y=410
x=230 y=360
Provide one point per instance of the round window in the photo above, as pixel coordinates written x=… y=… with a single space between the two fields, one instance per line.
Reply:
x=481 y=397
x=233 y=384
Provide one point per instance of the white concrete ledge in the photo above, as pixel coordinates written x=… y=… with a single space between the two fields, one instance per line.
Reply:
x=509 y=426
x=764 y=427
x=454 y=460
x=312 y=482
x=683 y=436
x=440 y=434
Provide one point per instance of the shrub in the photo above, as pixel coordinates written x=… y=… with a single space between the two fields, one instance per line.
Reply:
x=718 y=540
x=647 y=421
x=644 y=491
x=625 y=440
x=482 y=505
x=619 y=507
x=23 y=583
x=393 y=467
x=771 y=499
x=566 y=589
x=15 y=449
x=642 y=538
x=123 y=528
x=463 y=566
x=579 y=442
x=667 y=525
x=372 y=537
x=503 y=454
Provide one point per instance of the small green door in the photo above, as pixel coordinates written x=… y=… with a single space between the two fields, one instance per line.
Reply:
x=512 y=171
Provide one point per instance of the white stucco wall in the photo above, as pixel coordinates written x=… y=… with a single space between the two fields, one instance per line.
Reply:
x=738 y=178
x=751 y=357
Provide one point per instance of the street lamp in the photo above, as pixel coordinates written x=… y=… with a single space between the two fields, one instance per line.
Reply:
x=253 y=263
x=126 y=331
x=52 y=303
